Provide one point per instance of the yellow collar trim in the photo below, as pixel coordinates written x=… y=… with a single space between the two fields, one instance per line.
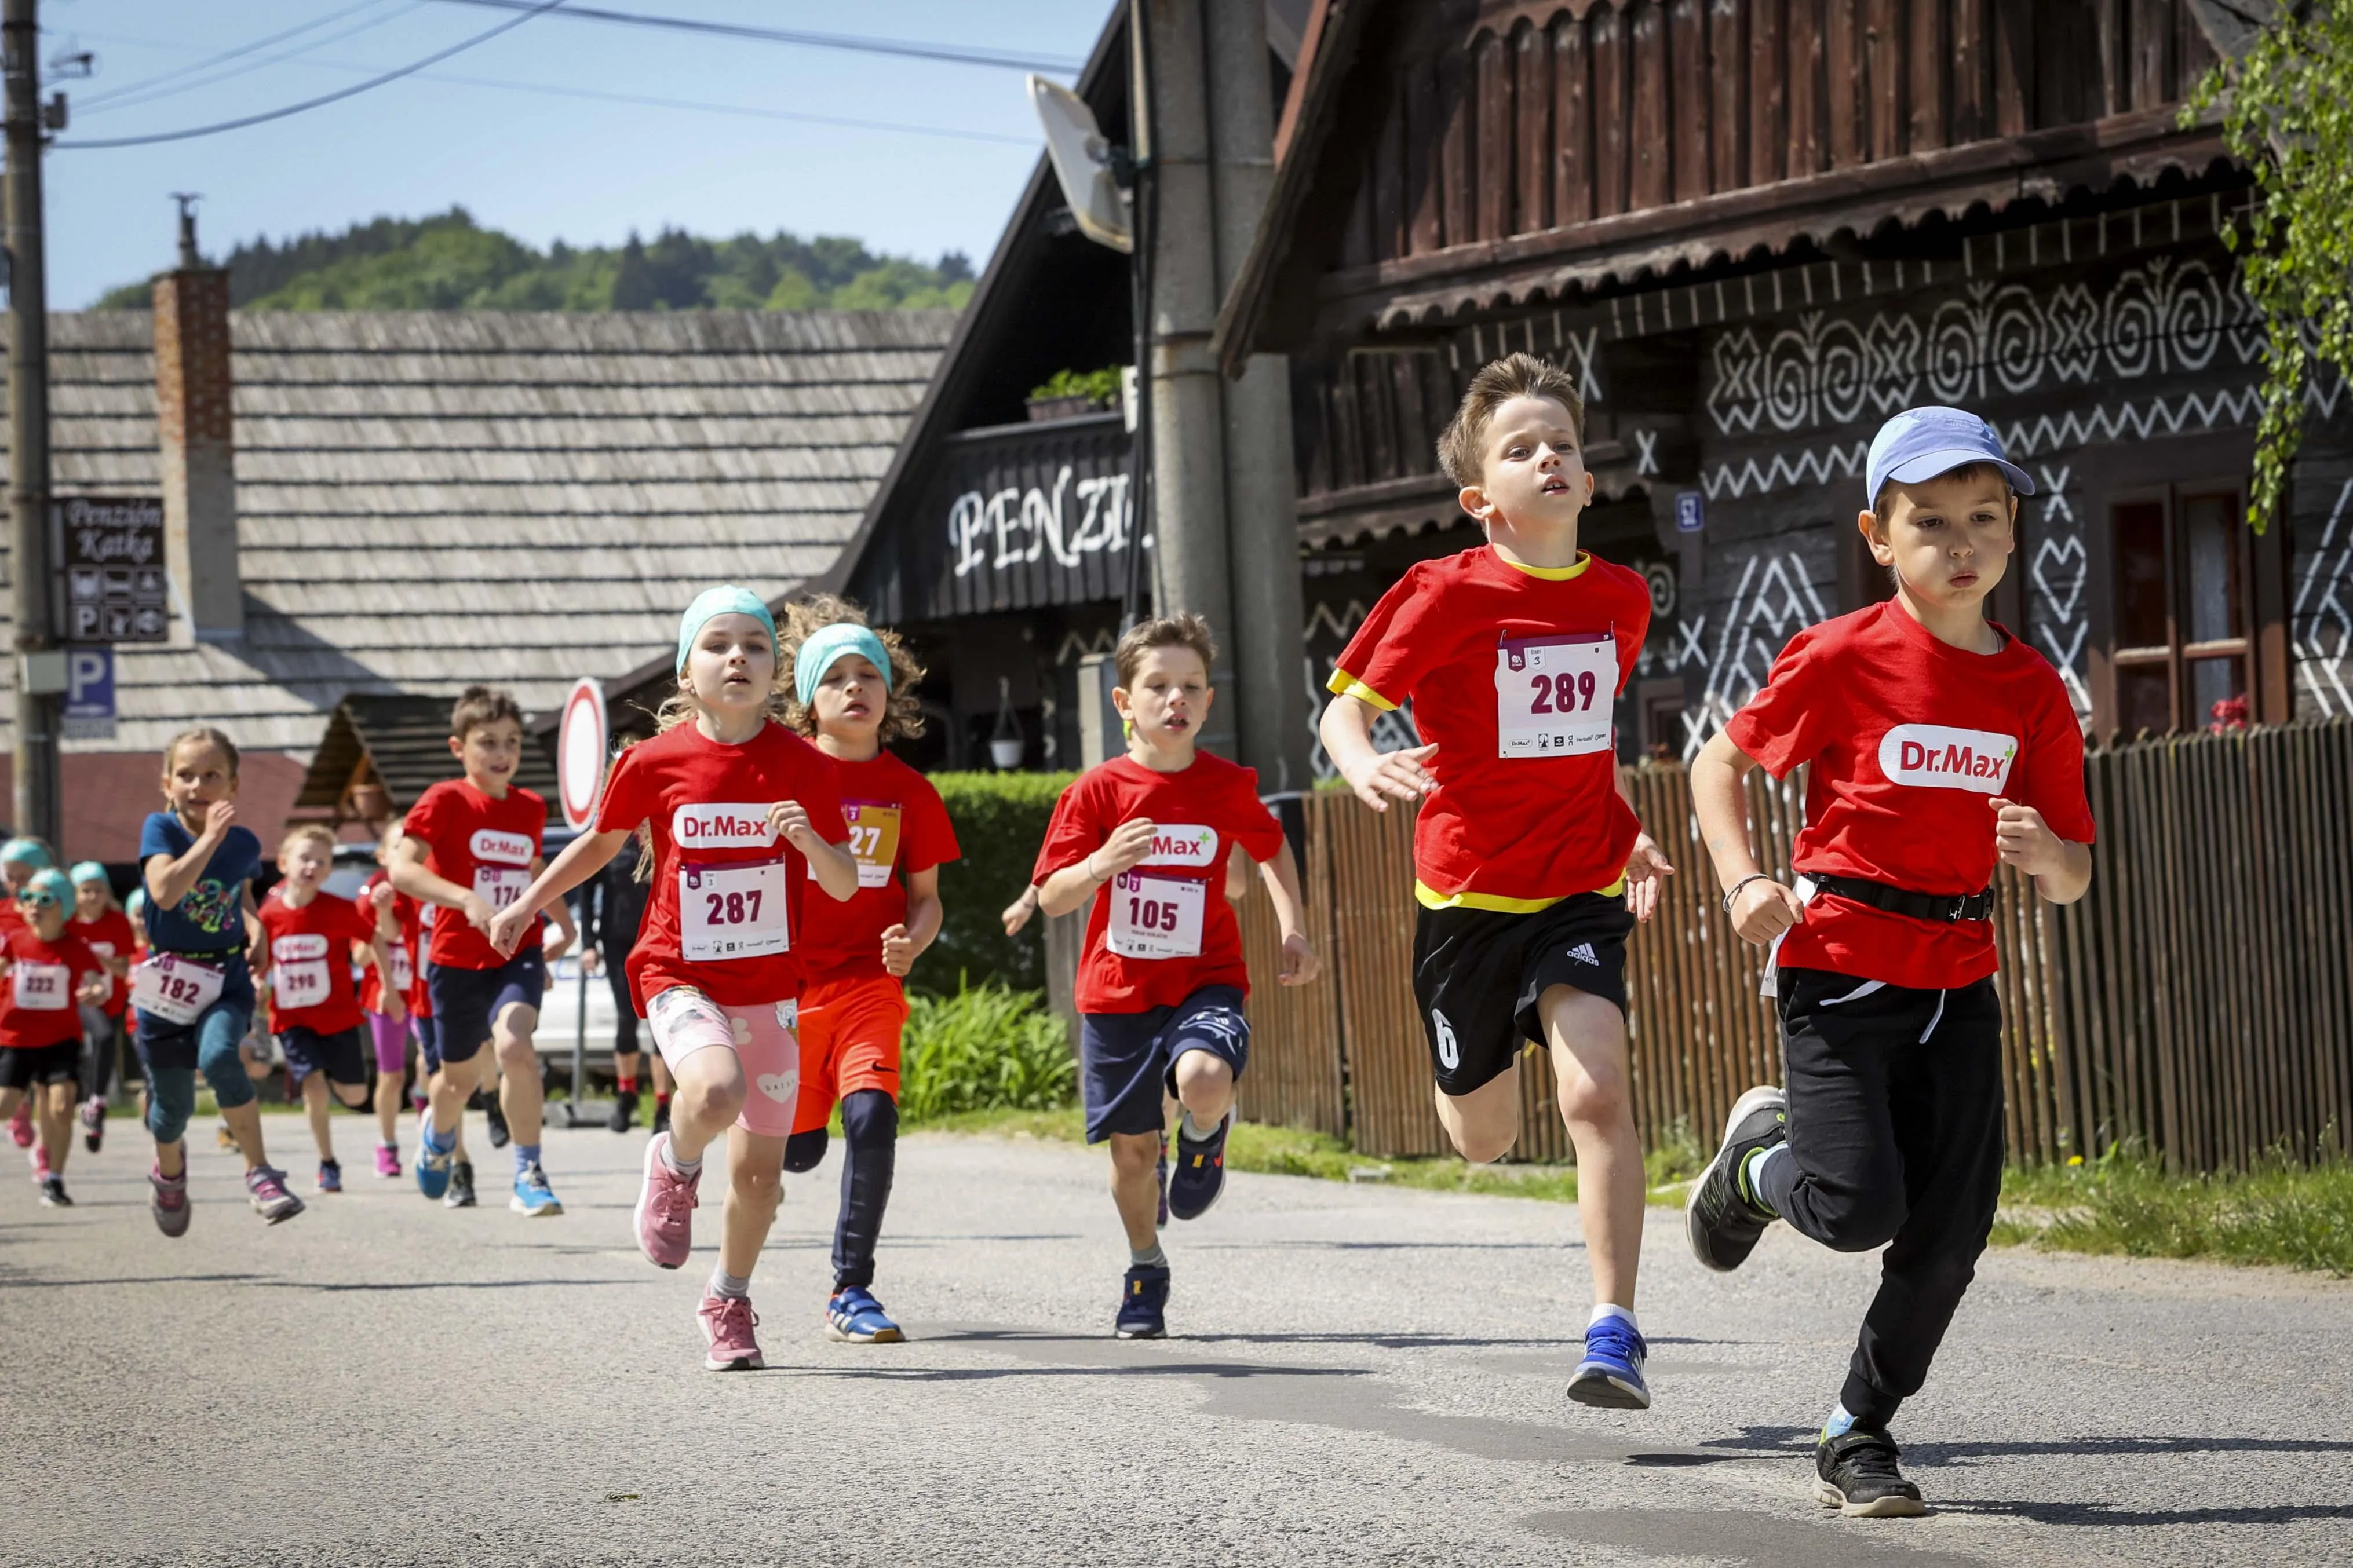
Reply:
x=1550 y=573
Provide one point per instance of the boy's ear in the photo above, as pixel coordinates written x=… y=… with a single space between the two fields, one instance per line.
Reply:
x=1875 y=534
x=1119 y=700
x=1474 y=500
x=458 y=747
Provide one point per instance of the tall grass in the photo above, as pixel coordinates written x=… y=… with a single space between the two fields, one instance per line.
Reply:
x=987 y=1048
x=2301 y=1215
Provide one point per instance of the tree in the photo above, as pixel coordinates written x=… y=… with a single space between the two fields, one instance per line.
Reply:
x=2285 y=85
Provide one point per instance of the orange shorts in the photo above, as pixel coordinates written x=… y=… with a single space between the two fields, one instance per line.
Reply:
x=849 y=1033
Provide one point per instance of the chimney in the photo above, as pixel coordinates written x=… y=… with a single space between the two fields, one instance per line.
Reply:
x=197 y=439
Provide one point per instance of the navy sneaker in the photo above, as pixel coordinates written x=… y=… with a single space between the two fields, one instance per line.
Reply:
x=854 y=1317
x=495 y=1114
x=1722 y=1219
x=1200 y=1172
x=460 y=1178
x=1610 y=1375
x=1144 y=1303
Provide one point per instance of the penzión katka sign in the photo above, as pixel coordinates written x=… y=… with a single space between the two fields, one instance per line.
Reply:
x=112 y=555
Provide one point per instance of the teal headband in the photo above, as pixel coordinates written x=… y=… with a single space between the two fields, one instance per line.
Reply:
x=817 y=656
x=712 y=603
x=25 y=852
x=49 y=883
x=90 y=871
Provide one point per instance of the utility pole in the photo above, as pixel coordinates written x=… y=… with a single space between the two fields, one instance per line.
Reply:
x=40 y=665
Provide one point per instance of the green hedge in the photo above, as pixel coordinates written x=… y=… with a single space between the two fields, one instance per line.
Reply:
x=1001 y=820
x=984 y=1049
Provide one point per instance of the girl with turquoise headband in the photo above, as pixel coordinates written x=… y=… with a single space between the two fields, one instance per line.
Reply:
x=743 y=817
x=45 y=971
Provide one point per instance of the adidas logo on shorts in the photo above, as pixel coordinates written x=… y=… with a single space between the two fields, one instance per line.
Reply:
x=1583 y=953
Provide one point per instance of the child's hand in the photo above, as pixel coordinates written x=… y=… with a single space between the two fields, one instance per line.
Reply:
x=557 y=943
x=1763 y=910
x=1017 y=913
x=1393 y=774
x=897 y=952
x=787 y=821
x=2024 y=840
x=479 y=913
x=1645 y=869
x=505 y=931
x=219 y=818
x=1300 y=964
x=92 y=991
x=382 y=897
x=394 y=1007
x=1129 y=846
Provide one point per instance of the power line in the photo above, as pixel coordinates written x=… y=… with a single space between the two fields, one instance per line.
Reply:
x=533 y=8
x=953 y=54
x=129 y=98
x=85 y=104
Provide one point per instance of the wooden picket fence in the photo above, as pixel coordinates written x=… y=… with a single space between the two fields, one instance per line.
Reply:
x=2197 y=1003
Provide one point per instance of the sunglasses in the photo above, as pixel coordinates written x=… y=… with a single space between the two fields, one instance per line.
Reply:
x=37 y=896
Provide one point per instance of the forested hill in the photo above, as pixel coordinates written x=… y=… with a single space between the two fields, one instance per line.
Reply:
x=451 y=263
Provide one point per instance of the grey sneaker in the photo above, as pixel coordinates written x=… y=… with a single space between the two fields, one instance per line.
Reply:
x=169 y=1201
x=460 y=1194
x=265 y=1185
x=1720 y=1220
x=1855 y=1473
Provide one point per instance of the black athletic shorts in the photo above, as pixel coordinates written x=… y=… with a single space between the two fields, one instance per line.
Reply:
x=1478 y=974
x=340 y=1056
x=24 y=1067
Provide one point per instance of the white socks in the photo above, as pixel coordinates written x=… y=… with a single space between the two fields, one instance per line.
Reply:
x=1609 y=1309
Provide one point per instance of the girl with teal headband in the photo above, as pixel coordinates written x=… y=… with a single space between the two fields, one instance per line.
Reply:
x=743 y=816
x=45 y=971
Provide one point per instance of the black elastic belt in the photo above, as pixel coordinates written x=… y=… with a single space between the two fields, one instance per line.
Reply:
x=1946 y=908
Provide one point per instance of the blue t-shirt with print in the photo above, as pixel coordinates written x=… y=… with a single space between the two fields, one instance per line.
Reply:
x=211 y=918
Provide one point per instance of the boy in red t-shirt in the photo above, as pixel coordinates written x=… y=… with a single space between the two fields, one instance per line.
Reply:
x=308 y=935
x=471 y=846
x=1938 y=744
x=854 y=689
x=46 y=970
x=1146 y=838
x=99 y=922
x=1530 y=868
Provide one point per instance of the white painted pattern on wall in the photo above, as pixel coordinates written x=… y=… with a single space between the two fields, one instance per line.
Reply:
x=2058 y=611
x=1775 y=599
x=2321 y=624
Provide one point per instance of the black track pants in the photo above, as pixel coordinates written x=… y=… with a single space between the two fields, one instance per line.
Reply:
x=1896 y=1139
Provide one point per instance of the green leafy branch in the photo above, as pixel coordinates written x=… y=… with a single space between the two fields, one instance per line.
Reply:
x=2287 y=113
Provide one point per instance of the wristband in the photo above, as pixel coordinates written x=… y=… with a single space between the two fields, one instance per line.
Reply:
x=1092 y=874
x=1734 y=891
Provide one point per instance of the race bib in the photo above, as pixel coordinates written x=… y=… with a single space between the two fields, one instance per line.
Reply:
x=300 y=985
x=43 y=988
x=1553 y=695
x=176 y=989
x=1156 y=917
x=731 y=911
x=403 y=972
x=873 y=841
x=500 y=885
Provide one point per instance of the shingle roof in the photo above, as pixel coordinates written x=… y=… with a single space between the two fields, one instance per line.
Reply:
x=427 y=498
x=407 y=740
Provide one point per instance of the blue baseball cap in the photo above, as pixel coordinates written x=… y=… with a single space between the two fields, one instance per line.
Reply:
x=1921 y=442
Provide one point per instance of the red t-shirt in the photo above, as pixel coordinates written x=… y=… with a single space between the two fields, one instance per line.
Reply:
x=898 y=826
x=36 y=997
x=723 y=885
x=479 y=843
x=310 y=960
x=403 y=963
x=416 y=930
x=1499 y=658
x=1910 y=738
x=1164 y=930
x=109 y=936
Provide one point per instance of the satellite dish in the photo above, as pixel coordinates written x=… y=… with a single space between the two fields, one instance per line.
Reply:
x=1084 y=163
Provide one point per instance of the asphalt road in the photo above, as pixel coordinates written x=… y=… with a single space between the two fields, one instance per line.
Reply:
x=1360 y=1376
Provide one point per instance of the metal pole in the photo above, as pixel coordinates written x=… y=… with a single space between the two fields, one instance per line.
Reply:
x=37 y=713
x=579 y=1044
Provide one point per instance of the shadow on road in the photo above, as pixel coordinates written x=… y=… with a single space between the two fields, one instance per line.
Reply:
x=2099 y=1513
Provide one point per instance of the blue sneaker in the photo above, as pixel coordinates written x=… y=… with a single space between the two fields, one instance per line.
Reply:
x=854 y=1318
x=1143 y=1303
x=432 y=1164
x=1200 y=1172
x=532 y=1195
x=1610 y=1375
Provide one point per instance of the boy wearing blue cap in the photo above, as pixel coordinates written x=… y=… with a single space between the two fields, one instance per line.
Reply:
x=1938 y=744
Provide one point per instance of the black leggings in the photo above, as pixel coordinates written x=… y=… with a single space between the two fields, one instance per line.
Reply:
x=870 y=1126
x=1896 y=1138
x=625 y=1021
x=101 y=1050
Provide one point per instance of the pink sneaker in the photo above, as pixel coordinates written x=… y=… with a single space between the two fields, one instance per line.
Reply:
x=665 y=1216
x=169 y=1202
x=727 y=1323
x=387 y=1161
x=20 y=1127
x=265 y=1185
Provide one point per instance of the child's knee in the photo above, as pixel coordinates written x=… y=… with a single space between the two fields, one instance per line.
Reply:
x=1591 y=1101
x=871 y=1117
x=171 y=1101
x=1859 y=1220
x=757 y=1186
x=1134 y=1154
x=804 y=1151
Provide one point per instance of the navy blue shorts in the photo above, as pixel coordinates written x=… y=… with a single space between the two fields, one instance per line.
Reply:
x=1128 y=1060
x=429 y=1042
x=308 y=1051
x=468 y=1002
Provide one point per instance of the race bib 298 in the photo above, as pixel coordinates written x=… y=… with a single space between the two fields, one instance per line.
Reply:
x=1935 y=756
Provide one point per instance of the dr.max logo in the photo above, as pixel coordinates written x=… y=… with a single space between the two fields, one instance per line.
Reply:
x=737 y=825
x=299 y=946
x=1182 y=844
x=1937 y=756
x=511 y=848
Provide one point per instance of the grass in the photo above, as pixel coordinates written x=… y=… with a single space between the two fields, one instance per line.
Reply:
x=2129 y=1206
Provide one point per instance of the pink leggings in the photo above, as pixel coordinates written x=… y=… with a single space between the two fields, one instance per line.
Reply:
x=391 y=1042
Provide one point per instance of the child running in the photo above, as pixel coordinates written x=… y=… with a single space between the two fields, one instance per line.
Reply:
x=19 y=858
x=1530 y=867
x=105 y=930
x=383 y=998
x=193 y=993
x=741 y=812
x=1939 y=745
x=308 y=935
x=45 y=971
x=853 y=691
x=1145 y=837
x=471 y=846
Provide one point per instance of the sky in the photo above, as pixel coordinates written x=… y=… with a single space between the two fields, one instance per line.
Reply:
x=542 y=164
